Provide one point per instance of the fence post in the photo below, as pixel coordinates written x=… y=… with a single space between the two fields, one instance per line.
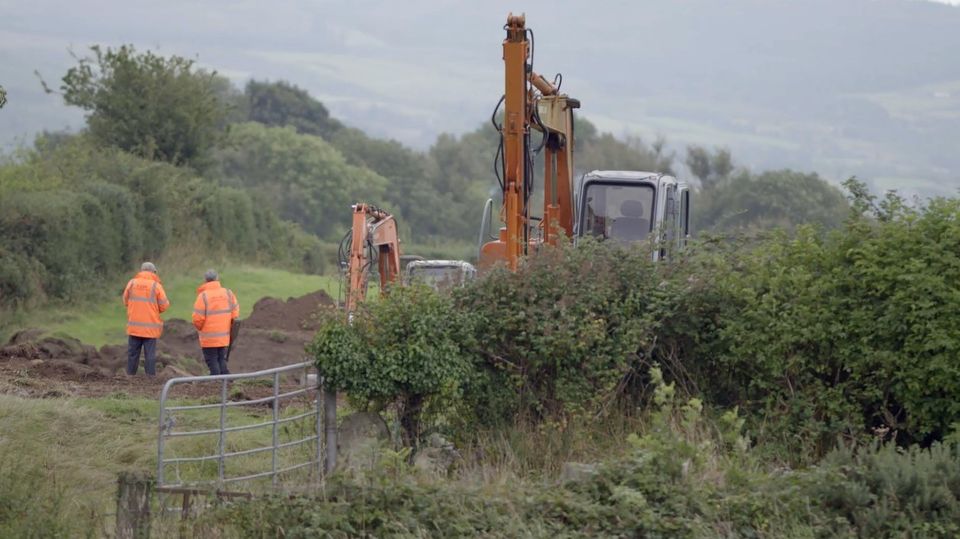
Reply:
x=134 y=496
x=276 y=433
x=222 y=444
x=330 y=426
x=318 y=393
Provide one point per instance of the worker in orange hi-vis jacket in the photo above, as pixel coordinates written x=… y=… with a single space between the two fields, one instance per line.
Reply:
x=213 y=314
x=144 y=299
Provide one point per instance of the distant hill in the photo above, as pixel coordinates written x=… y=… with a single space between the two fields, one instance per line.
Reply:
x=859 y=87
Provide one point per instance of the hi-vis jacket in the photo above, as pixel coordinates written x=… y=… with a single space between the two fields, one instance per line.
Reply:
x=145 y=300
x=213 y=312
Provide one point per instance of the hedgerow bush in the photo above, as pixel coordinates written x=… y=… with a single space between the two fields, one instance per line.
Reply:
x=405 y=349
x=72 y=216
x=570 y=332
x=848 y=333
x=815 y=336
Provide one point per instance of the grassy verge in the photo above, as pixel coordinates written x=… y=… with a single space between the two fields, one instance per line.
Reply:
x=59 y=459
x=62 y=455
x=103 y=322
x=680 y=474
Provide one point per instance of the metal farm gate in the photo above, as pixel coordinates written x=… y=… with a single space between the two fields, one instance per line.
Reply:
x=273 y=436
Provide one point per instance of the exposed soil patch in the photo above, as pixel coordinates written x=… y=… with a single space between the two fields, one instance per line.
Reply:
x=295 y=314
x=274 y=334
x=58 y=378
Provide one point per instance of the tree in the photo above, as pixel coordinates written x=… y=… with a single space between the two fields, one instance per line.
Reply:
x=236 y=106
x=709 y=168
x=302 y=177
x=779 y=198
x=603 y=151
x=3 y=97
x=156 y=107
x=281 y=103
x=698 y=161
x=404 y=350
x=436 y=196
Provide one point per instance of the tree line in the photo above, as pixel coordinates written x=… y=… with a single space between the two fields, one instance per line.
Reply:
x=166 y=109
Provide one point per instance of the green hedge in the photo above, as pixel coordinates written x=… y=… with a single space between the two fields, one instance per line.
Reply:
x=73 y=216
x=850 y=332
x=816 y=336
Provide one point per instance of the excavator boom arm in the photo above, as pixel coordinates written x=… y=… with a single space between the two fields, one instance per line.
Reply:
x=373 y=230
x=531 y=101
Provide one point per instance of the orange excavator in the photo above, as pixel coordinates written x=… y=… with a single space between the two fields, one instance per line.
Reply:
x=625 y=206
x=372 y=238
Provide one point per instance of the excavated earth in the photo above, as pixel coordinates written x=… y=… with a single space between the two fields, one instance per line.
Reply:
x=33 y=364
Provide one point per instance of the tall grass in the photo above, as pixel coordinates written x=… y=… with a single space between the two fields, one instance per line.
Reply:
x=59 y=459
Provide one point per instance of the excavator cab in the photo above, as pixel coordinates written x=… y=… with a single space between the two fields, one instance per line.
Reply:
x=440 y=274
x=628 y=206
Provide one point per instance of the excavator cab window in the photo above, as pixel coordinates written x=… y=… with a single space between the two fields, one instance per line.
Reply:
x=618 y=211
x=440 y=275
x=437 y=278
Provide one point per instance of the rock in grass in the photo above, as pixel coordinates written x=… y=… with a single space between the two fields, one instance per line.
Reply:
x=438 y=456
x=360 y=441
x=576 y=471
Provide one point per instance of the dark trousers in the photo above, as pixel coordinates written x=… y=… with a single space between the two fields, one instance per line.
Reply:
x=216 y=359
x=149 y=346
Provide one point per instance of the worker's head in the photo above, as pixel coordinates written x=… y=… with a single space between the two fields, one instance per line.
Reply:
x=210 y=275
x=148 y=266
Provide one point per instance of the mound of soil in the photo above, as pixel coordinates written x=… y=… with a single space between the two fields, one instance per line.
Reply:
x=274 y=334
x=295 y=314
x=31 y=344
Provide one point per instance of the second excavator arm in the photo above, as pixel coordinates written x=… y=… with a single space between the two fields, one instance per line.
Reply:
x=373 y=237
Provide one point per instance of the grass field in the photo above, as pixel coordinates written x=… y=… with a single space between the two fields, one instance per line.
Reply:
x=103 y=322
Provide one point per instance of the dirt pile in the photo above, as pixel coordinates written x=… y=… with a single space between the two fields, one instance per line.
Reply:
x=274 y=334
x=32 y=344
x=295 y=314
